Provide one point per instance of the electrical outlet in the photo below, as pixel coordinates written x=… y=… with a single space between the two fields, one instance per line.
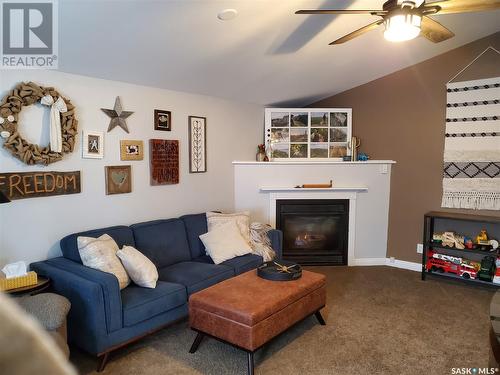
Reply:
x=420 y=248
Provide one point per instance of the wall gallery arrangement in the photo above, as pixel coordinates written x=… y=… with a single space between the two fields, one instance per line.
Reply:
x=197 y=144
x=163 y=120
x=117 y=115
x=118 y=179
x=21 y=185
x=164 y=154
x=92 y=145
x=131 y=150
x=63 y=124
x=164 y=161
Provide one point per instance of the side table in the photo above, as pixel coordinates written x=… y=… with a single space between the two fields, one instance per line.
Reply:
x=42 y=284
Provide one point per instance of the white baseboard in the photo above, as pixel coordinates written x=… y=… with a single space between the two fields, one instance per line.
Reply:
x=368 y=262
x=412 y=266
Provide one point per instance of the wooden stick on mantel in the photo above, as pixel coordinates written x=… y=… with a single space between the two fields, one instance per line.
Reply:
x=315 y=186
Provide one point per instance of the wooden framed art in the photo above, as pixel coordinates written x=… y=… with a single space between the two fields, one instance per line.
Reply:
x=308 y=133
x=92 y=145
x=163 y=120
x=197 y=144
x=131 y=150
x=118 y=179
x=164 y=161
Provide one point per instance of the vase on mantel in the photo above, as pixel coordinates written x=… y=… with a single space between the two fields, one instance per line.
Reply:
x=261 y=153
x=269 y=152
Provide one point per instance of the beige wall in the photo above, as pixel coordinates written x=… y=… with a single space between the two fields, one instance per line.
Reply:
x=402 y=117
x=30 y=229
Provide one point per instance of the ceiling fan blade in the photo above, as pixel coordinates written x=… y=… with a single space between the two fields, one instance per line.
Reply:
x=358 y=32
x=434 y=31
x=341 y=11
x=464 y=6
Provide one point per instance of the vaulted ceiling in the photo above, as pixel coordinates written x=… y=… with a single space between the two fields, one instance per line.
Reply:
x=266 y=55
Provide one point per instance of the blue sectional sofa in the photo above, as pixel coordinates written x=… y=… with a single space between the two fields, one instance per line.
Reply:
x=103 y=318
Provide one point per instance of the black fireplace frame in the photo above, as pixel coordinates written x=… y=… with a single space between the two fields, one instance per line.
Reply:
x=337 y=206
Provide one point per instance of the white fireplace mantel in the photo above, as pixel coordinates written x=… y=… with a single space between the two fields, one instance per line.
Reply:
x=302 y=190
x=257 y=186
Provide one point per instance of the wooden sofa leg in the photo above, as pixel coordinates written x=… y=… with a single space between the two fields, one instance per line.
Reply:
x=103 y=361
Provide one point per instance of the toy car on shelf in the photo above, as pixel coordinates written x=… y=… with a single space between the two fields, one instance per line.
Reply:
x=448 y=264
x=449 y=239
x=487 y=270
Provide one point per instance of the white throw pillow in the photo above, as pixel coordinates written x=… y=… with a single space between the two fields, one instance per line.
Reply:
x=100 y=254
x=225 y=242
x=138 y=266
x=241 y=219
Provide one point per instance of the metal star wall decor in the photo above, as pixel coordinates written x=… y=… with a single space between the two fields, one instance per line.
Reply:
x=118 y=116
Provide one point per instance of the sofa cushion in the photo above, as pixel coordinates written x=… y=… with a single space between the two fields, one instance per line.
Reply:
x=141 y=304
x=121 y=234
x=239 y=264
x=164 y=242
x=195 y=275
x=196 y=225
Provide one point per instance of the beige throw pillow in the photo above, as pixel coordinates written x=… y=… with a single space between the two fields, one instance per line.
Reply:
x=241 y=219
x=140 y=269
x=100 y=254
x=225 y=242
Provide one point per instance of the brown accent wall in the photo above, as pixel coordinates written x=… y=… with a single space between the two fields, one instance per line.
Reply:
x=402 y=117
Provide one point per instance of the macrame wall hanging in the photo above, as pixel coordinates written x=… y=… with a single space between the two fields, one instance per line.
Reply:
x=471 y=177
x=63 y=124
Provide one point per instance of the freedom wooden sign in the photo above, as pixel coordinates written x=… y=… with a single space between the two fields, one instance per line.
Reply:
x=20 y=185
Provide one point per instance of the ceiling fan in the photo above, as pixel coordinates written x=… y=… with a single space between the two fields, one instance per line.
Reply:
x=405 y=20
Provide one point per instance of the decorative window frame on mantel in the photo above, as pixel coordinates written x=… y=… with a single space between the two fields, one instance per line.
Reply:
x=308 y=133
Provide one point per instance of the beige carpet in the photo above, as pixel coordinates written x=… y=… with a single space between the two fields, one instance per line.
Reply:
x=380 y=320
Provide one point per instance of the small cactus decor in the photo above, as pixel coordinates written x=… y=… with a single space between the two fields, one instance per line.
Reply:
x=353 y=145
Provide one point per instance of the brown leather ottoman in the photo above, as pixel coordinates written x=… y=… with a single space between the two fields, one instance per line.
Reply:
x=248 y=311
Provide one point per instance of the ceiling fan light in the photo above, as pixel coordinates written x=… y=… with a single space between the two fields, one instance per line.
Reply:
x=401 y=27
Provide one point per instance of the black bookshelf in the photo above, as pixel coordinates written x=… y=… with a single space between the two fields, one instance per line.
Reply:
x=437 y=222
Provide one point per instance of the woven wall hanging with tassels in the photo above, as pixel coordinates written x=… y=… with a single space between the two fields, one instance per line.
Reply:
x=471 y=177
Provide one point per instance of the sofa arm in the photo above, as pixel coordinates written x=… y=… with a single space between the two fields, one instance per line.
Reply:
x=107 y=283
x=87 y=326
x=276 y=237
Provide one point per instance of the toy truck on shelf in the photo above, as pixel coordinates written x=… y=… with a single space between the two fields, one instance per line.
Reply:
x=449 y=264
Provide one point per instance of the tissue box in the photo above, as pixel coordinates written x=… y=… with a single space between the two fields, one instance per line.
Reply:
x=30 y=278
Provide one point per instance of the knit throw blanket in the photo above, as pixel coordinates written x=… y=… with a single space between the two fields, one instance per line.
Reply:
x=471 y=177
x=260 y=242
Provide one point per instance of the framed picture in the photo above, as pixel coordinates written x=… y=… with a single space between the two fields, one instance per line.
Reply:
x=303 y=133
x=118 y=179
x=164 y=161
x=197 y=144
x=92 y=145
x=131 y=150
x=163 y=120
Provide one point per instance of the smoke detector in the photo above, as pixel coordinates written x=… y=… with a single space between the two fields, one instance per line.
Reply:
x=227 y=14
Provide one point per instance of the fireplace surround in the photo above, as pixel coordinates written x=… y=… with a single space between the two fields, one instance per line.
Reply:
x=258 y=185
x=315 y=231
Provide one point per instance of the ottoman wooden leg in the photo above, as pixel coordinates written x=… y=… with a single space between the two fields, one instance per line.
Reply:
x=320 y=318
x=250 y=363
x=196 y=342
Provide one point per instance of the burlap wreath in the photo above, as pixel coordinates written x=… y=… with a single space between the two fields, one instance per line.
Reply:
x=25 y=94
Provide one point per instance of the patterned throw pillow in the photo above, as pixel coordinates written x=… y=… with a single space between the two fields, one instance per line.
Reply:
x=241 y=219
x=140 y=269
x=100 y=254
